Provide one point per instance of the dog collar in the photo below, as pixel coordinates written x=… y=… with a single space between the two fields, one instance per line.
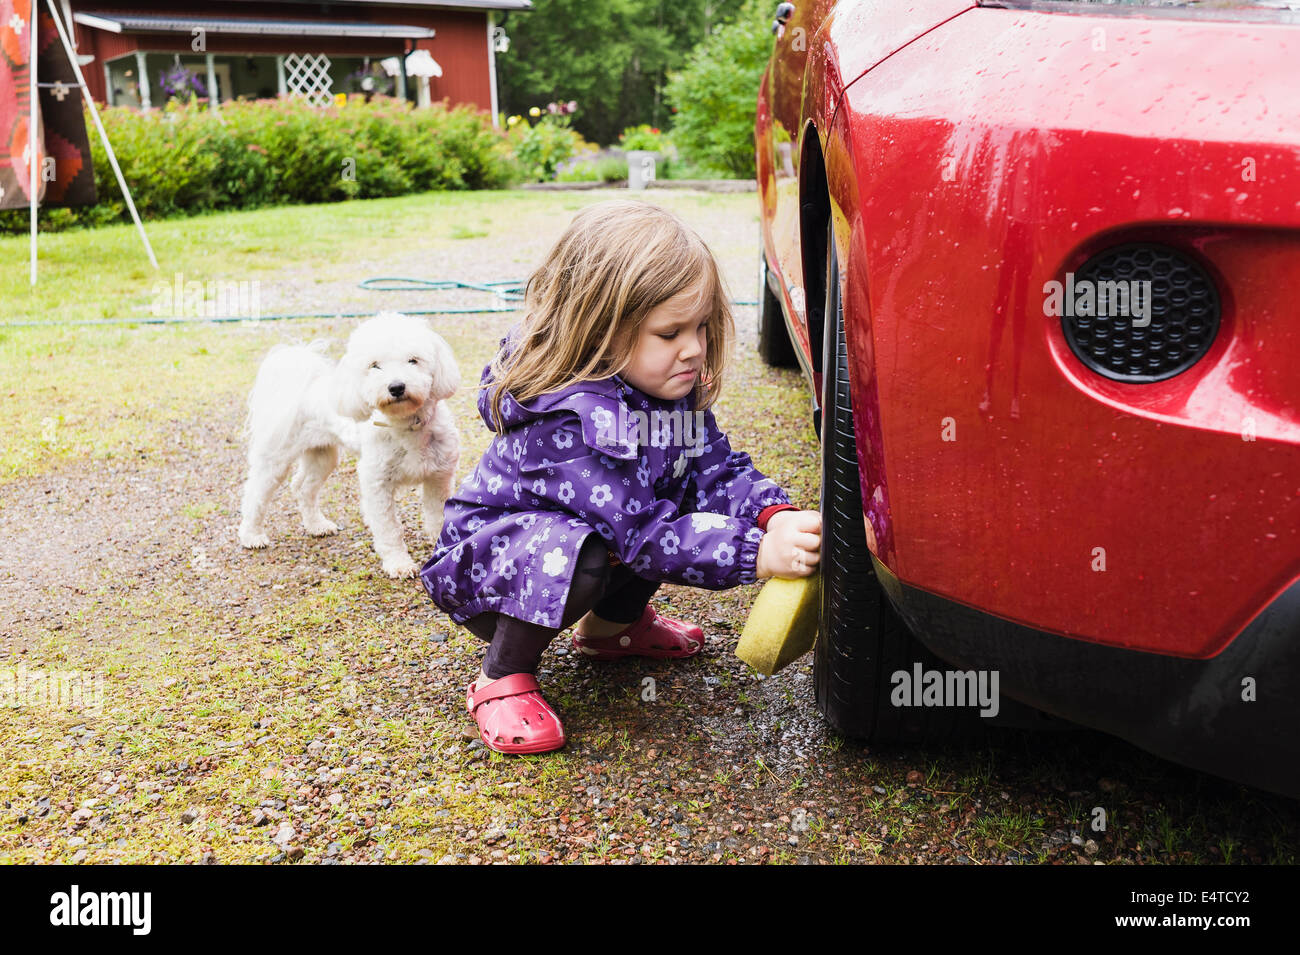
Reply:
x=414 y=425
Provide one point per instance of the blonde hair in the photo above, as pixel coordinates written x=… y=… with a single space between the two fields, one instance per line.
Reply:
x=584 y=307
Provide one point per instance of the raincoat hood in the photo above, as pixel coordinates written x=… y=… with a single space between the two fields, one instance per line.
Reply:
x=600 y=406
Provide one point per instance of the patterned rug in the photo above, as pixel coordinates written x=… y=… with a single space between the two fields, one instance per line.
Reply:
x=65 y=175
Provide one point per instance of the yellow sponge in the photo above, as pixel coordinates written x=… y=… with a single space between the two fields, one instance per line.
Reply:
x=782 y=624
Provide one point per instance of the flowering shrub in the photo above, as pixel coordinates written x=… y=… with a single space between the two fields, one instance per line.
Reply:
x=713 y=95
x=181 y=83
x=542 y=146
x=186 y=159
x=642 y=137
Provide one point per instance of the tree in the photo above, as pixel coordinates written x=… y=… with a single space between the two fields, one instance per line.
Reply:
x=613 y=57
x=716 y=93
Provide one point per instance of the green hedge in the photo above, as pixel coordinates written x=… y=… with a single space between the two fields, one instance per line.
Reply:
x=715 y=96
x=188 y=159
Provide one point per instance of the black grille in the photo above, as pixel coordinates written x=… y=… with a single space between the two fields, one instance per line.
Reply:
x=1183 y=313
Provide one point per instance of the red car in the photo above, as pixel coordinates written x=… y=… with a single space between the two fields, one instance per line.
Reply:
x=1040 y=263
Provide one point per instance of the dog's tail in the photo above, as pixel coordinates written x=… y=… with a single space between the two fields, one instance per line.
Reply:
x=275 y=401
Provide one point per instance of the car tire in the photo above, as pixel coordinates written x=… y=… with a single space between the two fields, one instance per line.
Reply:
x=862 y=640
x=774 y=345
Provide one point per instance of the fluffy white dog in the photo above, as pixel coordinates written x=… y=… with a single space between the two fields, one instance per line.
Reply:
x=386 y=400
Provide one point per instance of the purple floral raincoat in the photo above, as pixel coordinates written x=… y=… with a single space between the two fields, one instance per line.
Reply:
x=656 y=479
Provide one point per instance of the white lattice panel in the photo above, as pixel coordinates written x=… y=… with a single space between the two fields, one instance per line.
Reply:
x=308 y=76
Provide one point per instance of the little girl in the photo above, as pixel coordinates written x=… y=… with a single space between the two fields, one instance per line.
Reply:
x=609 y=474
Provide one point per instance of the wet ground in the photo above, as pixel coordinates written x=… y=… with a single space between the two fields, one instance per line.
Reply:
x=296 y=705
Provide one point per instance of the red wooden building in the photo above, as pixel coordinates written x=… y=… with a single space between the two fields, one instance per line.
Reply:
x=141 y=53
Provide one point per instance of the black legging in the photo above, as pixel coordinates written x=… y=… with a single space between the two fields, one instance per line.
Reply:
x=613 y=593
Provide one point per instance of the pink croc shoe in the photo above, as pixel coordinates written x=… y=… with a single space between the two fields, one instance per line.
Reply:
x=512 y=716
x=662 y=638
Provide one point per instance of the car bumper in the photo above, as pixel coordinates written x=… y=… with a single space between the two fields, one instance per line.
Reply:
x=1232 y=714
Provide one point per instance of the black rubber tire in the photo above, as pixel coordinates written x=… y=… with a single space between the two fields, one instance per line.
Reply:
x=774 y=345
x=862 y=640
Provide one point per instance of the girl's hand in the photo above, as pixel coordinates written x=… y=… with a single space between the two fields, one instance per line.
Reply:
x=792 y=545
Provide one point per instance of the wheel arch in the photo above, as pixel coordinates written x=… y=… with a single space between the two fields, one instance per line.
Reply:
x=823 y=198
x=814 y=214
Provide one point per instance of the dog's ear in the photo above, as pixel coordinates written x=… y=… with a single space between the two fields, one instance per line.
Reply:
x=349 y=376
x=446 y=373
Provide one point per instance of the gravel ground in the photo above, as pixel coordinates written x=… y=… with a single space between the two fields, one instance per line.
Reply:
x=296 y=705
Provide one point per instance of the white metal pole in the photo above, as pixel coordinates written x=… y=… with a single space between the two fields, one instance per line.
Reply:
x=103 y=136
x=142 y=68
x=492 y=67
x=213 y=93
x=32 y=133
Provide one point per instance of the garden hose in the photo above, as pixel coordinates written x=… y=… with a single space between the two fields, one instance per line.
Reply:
x=507 y=291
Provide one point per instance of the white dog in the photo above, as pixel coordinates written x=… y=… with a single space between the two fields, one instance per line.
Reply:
x=386 y=399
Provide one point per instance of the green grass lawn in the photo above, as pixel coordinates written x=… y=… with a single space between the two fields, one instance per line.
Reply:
x=105 y=273
x=74 y=390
